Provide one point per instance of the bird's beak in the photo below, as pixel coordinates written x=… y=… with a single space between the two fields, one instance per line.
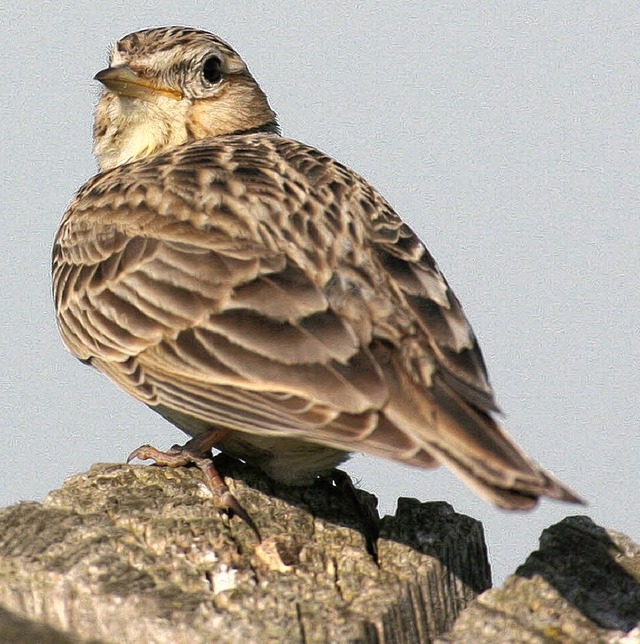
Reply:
x=123 y=81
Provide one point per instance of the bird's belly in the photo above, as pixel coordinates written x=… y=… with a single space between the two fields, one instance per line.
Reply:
x=289 y=460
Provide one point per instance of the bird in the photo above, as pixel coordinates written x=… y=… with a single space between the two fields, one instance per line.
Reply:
x=261 y=296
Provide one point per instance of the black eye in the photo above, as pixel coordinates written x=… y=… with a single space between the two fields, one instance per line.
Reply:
x=211 y=69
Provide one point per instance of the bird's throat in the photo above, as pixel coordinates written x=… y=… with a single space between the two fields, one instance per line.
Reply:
x=128 y=129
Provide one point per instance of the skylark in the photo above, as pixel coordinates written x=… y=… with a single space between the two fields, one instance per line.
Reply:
x=261 y=296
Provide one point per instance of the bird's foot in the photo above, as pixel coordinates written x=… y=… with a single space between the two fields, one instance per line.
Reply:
x=197 y=451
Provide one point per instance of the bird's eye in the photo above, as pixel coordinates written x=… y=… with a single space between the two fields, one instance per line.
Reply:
x=211 y=69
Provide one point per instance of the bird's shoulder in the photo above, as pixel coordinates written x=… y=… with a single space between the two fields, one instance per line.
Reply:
x=257 y=177
x=261 y=194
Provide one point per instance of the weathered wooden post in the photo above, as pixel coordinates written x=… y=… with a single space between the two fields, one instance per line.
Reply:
x=137 y=553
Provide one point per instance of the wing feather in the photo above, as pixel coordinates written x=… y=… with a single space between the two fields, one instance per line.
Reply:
x=252 y=283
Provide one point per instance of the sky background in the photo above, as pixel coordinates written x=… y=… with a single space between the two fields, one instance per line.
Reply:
x=506 y=135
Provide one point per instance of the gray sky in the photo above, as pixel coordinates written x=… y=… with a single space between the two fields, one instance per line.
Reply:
x=506 y=135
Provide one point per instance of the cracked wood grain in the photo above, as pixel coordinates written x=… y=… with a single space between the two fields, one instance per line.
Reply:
x=137 y=553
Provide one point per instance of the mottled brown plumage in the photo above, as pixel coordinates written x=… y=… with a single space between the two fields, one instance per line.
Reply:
x=249 y=288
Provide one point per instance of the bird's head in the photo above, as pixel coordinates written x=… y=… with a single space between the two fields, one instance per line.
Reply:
x=170 y=85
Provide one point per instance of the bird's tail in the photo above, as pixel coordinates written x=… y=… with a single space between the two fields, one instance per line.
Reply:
x=454 y=432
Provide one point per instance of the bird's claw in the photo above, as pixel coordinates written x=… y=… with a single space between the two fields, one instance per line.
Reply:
x=192 y=454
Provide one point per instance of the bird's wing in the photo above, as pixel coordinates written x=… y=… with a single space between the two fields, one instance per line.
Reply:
x=436 y=309
x=258 y=285
x=166 y=280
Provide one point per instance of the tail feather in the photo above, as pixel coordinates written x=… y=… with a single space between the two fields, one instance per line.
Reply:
x=469 y=442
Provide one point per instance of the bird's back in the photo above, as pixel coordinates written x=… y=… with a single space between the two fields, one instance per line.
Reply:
x=251 y=282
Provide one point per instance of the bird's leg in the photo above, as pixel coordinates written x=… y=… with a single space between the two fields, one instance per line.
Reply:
x=197 y=451
x=179 y=455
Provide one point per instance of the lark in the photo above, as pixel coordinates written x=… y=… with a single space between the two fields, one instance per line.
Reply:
x=261 y=296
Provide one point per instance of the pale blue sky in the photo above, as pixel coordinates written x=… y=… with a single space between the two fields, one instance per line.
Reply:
x=506 y=135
